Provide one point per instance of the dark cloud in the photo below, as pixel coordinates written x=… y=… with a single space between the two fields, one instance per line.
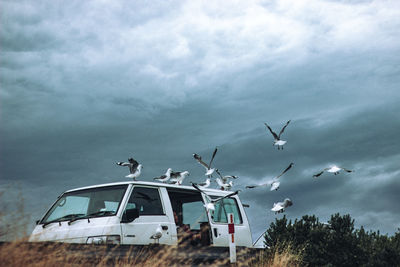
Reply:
x=87 y=84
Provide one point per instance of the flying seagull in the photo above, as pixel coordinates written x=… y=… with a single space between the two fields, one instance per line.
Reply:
x=334 y=169
x=134 y=168
x=165 y=177
x=277 y=138
x=209 y=170
x=210 y=202
x=225 y=178
x=281 y=206
x=178 y=177
x=275 y=183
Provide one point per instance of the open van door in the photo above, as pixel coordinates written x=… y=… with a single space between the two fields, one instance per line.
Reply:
x=219 y=223
x=145 y=220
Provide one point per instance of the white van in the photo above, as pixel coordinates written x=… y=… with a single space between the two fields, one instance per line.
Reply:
x=142 y=213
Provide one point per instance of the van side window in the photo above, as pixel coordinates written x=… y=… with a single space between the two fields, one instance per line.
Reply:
x=225 y=206
x=146 y=200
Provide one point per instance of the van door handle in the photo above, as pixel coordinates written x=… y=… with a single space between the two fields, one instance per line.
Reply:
x=216 y=232
x=164 y=227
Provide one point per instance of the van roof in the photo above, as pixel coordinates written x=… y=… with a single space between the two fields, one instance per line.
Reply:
x=185 y=187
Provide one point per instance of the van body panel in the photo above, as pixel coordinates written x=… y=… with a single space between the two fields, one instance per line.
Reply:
x=140 y=230
x=78 y=231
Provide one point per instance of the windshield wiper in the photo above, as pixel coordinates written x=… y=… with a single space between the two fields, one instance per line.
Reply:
x=64 y=218
x=95 y=214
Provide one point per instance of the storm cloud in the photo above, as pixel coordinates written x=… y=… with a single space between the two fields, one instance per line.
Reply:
x=86 y=84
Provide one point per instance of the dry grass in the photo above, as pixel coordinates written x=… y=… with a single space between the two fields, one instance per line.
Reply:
x=277 y=258
x=21 y=253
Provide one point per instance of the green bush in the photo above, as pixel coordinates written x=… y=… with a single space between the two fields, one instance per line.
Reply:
x=336 y=243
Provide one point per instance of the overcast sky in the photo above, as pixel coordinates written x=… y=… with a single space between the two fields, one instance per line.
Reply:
x=84 y=84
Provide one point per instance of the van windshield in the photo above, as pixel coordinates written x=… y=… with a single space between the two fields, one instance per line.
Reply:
x=94 y=202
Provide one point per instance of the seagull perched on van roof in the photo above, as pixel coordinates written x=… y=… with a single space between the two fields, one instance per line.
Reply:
x=210 y=202
x=274 y=183
x=165 y=177
x=209 y=170
x=334 y=169
x=281 y=206
x=178 y=177
x=277 y=138
x=134 y=168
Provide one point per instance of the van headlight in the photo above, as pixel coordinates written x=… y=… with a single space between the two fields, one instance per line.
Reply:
x=104 y=239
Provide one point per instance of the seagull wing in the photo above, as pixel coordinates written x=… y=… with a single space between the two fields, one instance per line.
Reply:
x=319 y=174
x=288 y=168
x=175 y=174
x=161 y=177
x=347 y=170
x=199 y=160
x=123 y=163
x=258 y=185
x=272 y=132
x=213 y=156
x=283 y=129
x=133 y=164
x=277 y=206
x=220 y=175
x=220 y=198
x=201 y=191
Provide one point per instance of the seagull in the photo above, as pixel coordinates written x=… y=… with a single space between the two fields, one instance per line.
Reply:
x=206 y=183
x=134 y=168
x=224 y=186
x=158 y=234
x=277 y=138
x=178 y=177
x=334 y=169
x=275 y=182
x=226 y=177
x=210 y=203
x=223 y=181
x=165 y=177
x=281 y=206
x=210 y=170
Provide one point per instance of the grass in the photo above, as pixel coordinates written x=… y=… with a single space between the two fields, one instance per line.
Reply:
x=22 y=253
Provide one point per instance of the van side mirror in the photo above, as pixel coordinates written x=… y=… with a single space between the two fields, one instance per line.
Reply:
x=130 y=215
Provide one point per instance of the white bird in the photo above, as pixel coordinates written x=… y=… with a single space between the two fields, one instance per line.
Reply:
x=158 y=234
x=277 y=138
x=134 y=168
x=224 y=186
x=209 y=170
x=334 y=169
x=165 y=177
x=210 y=202
x=223 y=181
x=225 y=178
x=178 y=177
x=206 y=183
x=274 y=183
x=281 y=206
